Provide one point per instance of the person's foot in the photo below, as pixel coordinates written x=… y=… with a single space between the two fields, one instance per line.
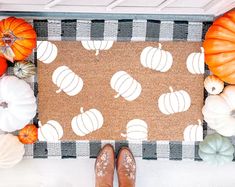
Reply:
x=126 y=168
x=104 y=167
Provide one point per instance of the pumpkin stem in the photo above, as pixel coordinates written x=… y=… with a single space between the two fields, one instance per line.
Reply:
x=233 y=113
x=171 y=89
x=58 y=91
x=202 y=49
x=4 y=105
x=116 y=96
x=159 y=46
x=97 y=52
x=123 y=135
x=81 y=110
x=199 y=122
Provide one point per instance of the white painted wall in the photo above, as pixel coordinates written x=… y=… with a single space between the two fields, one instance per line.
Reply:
x=208 y=7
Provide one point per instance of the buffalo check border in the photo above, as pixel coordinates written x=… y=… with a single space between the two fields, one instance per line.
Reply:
x=116 y=30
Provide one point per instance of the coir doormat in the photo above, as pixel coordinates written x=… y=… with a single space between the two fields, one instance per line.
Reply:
x=122 y=90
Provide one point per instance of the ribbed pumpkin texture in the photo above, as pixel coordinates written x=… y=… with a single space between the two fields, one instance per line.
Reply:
x=18 y=35
x=219 y=46
x=29 y=134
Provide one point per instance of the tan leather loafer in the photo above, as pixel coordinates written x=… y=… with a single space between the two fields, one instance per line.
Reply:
x=104 y=167
x=126 y=168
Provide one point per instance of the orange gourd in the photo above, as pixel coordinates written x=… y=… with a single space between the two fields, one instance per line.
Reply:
x=219 y=46
x=17 y=38
x=29 y=134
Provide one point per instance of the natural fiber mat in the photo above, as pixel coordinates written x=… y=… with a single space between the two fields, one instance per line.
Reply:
x=96 y=72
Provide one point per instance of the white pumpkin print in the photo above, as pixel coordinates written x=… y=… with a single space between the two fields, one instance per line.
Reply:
x=97 y=46
x=196 y=62
x=156 y=58
x=46 y=51
x=136 y=130
x=126 y=86
x=194 y=132
x=52 y=131
x=87 y=122
x=67 y=81
x=174 y=102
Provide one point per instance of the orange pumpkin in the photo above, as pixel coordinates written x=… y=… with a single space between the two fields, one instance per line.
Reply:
x=29 y=134
x=219 y=47
x=3 y=66
x=17 y=38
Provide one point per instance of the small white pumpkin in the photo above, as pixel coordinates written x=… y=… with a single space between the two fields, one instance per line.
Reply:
x=196 y=62
x=174 y=102
x=87 y=122
x=126 y=86
x=136 y=130
x=97 y=46
x=17 y=104
x=216 y=149
x=156 y=58
x=52 y=131
x=67 y=81
x=194 y=132
x=219 y=111
x=24 y=69
x=46 y=51
x=213 y=85
x=11 y=150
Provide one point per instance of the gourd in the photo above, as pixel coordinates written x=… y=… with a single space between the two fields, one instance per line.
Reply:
x=17 y=38
x=87 y=122
x=52 y=131
x=213 y=85
x=29 y=134
x=219 y=111
x=17 y=103
x=156 y=58
x=196 y=62
x=67 y=81
x=125 y=85
x=11 y=152
x=174 y=102
x=3 y=66
x=194 y=132
x=46 y=52
x=216 y=149
x=97 y=46
x=136 y=130
x=219 y=47
x=24 y=69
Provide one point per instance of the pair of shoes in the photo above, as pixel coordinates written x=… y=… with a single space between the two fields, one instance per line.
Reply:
x=105 y=165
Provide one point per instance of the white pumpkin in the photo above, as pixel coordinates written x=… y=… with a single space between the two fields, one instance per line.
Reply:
x=219 y=111
x=213 y=85
x=97 y=46
x=17 y=104
x=136 y=130
x=156 y=58
x=174 y=102
x=126 y=86
x=216 y=149
x=67 y=81
x=11 y=150
x=24 y=69
x=194 y=132
x=46 y=51
x=87 y=122
x=52 y=131
x=196 y=62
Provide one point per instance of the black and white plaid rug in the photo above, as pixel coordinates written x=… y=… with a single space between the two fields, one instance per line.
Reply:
x=116 y=30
